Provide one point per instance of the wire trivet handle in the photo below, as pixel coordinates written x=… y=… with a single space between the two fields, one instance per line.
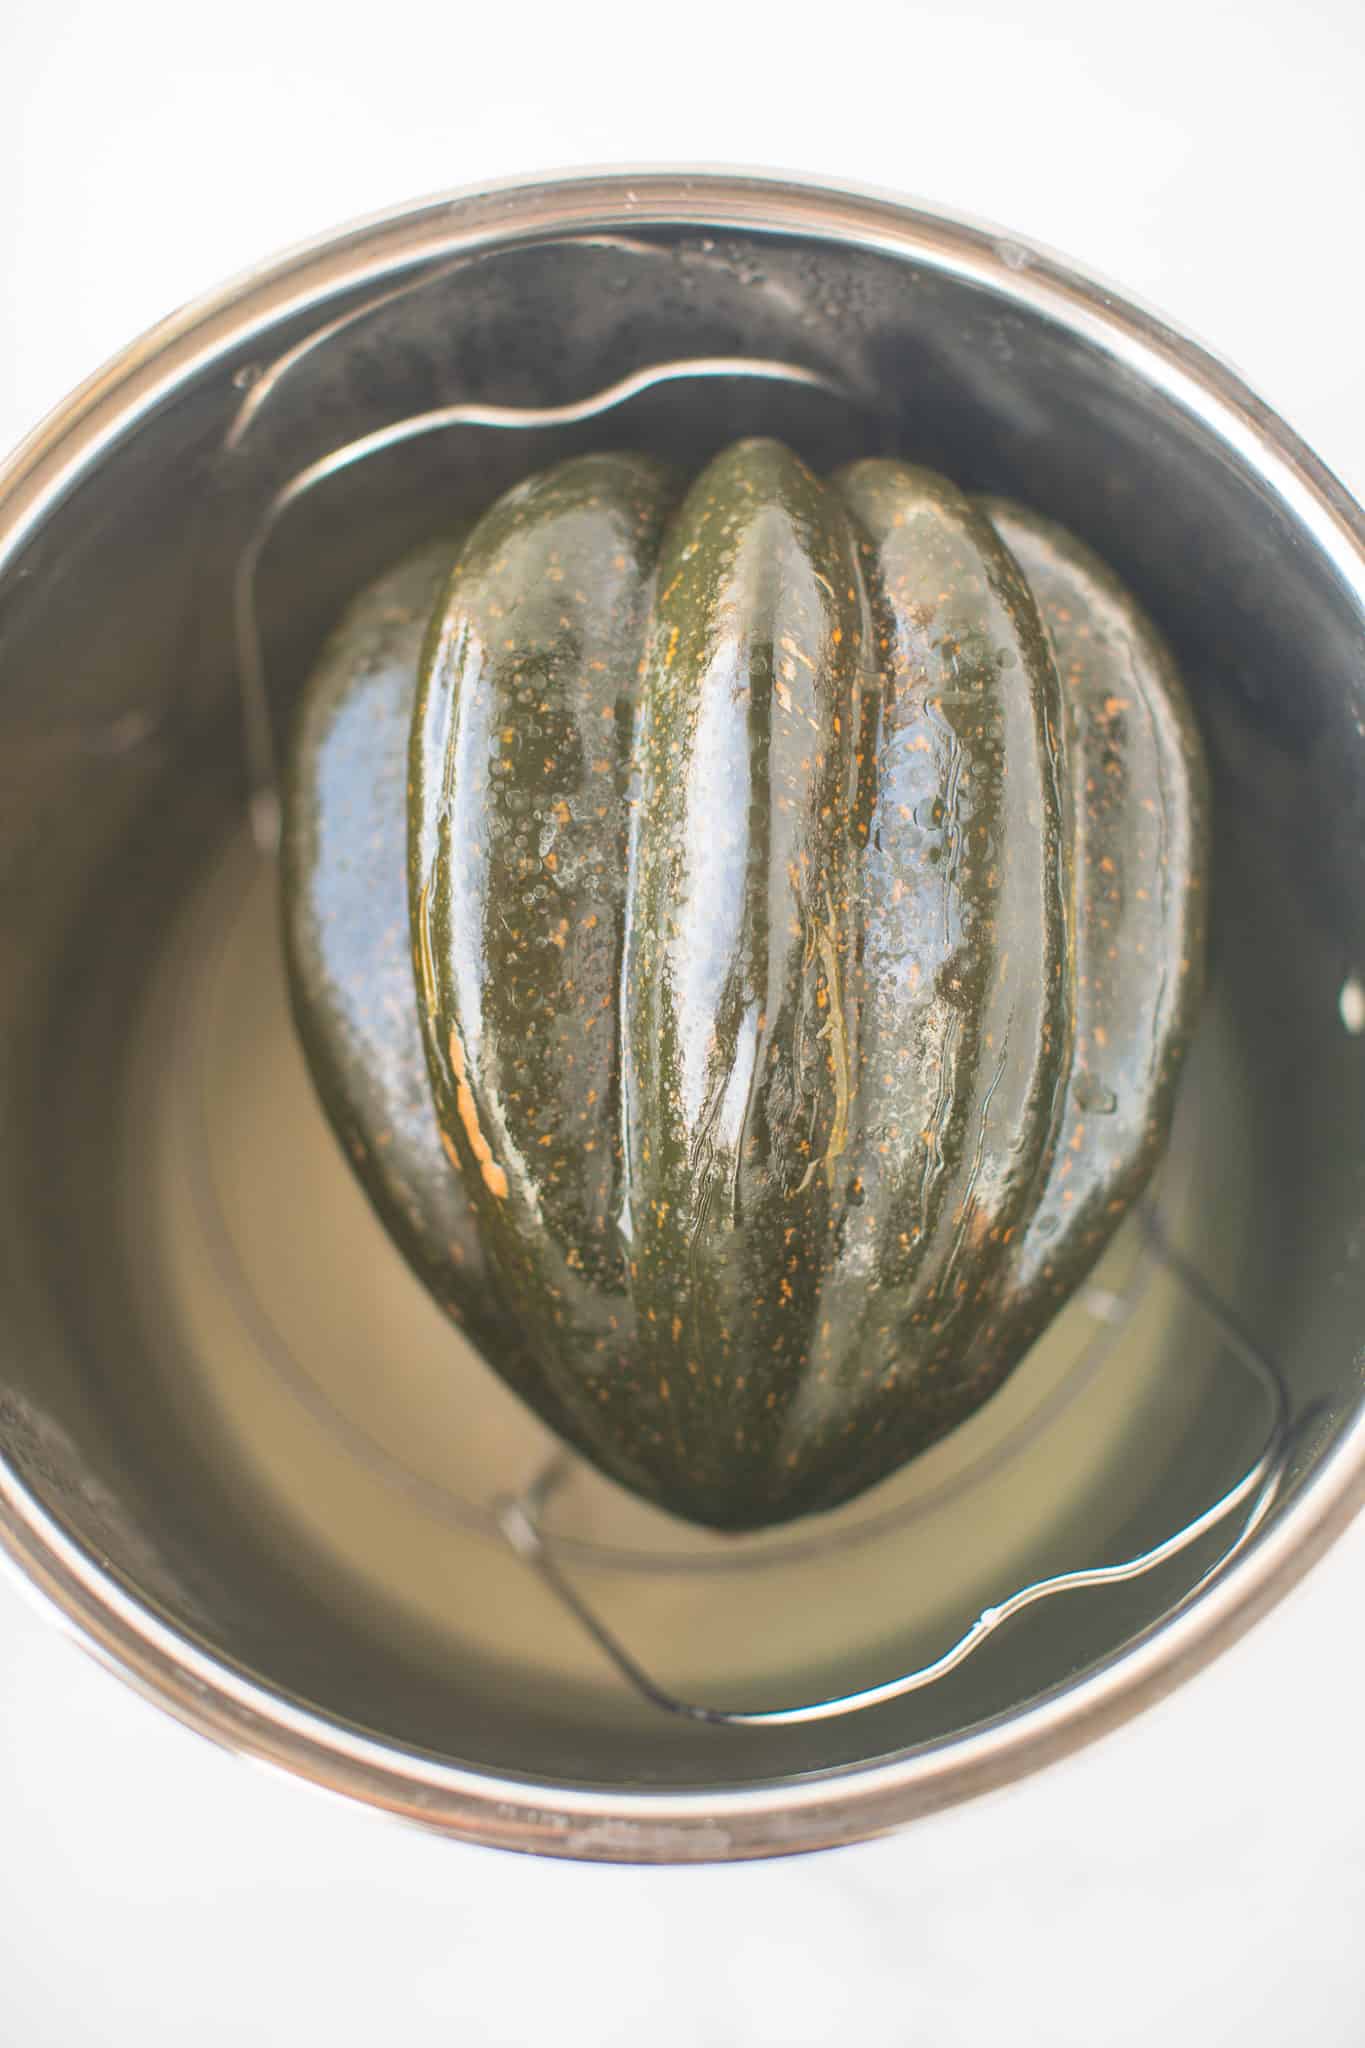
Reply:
x=258 y=732
x=520 y=1520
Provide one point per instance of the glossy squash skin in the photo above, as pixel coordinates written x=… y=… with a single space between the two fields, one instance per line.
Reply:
x=806 y=882
x=349 y=958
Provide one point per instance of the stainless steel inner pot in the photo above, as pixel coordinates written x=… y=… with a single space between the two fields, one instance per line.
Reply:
x=241 y=1455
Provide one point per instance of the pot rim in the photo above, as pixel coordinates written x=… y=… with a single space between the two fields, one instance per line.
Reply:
x=848 y=1803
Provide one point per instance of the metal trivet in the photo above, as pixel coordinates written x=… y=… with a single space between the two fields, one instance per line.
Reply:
x=518 y=1520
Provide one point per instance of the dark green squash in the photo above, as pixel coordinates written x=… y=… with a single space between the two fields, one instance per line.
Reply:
x=806 y=884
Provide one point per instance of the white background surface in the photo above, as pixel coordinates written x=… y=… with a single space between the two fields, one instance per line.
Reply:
x=1198 y=1878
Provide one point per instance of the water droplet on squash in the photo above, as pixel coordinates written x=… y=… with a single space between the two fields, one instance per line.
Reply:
x=1094 y=1098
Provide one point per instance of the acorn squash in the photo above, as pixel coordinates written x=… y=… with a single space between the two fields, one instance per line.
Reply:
x=803 y=926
